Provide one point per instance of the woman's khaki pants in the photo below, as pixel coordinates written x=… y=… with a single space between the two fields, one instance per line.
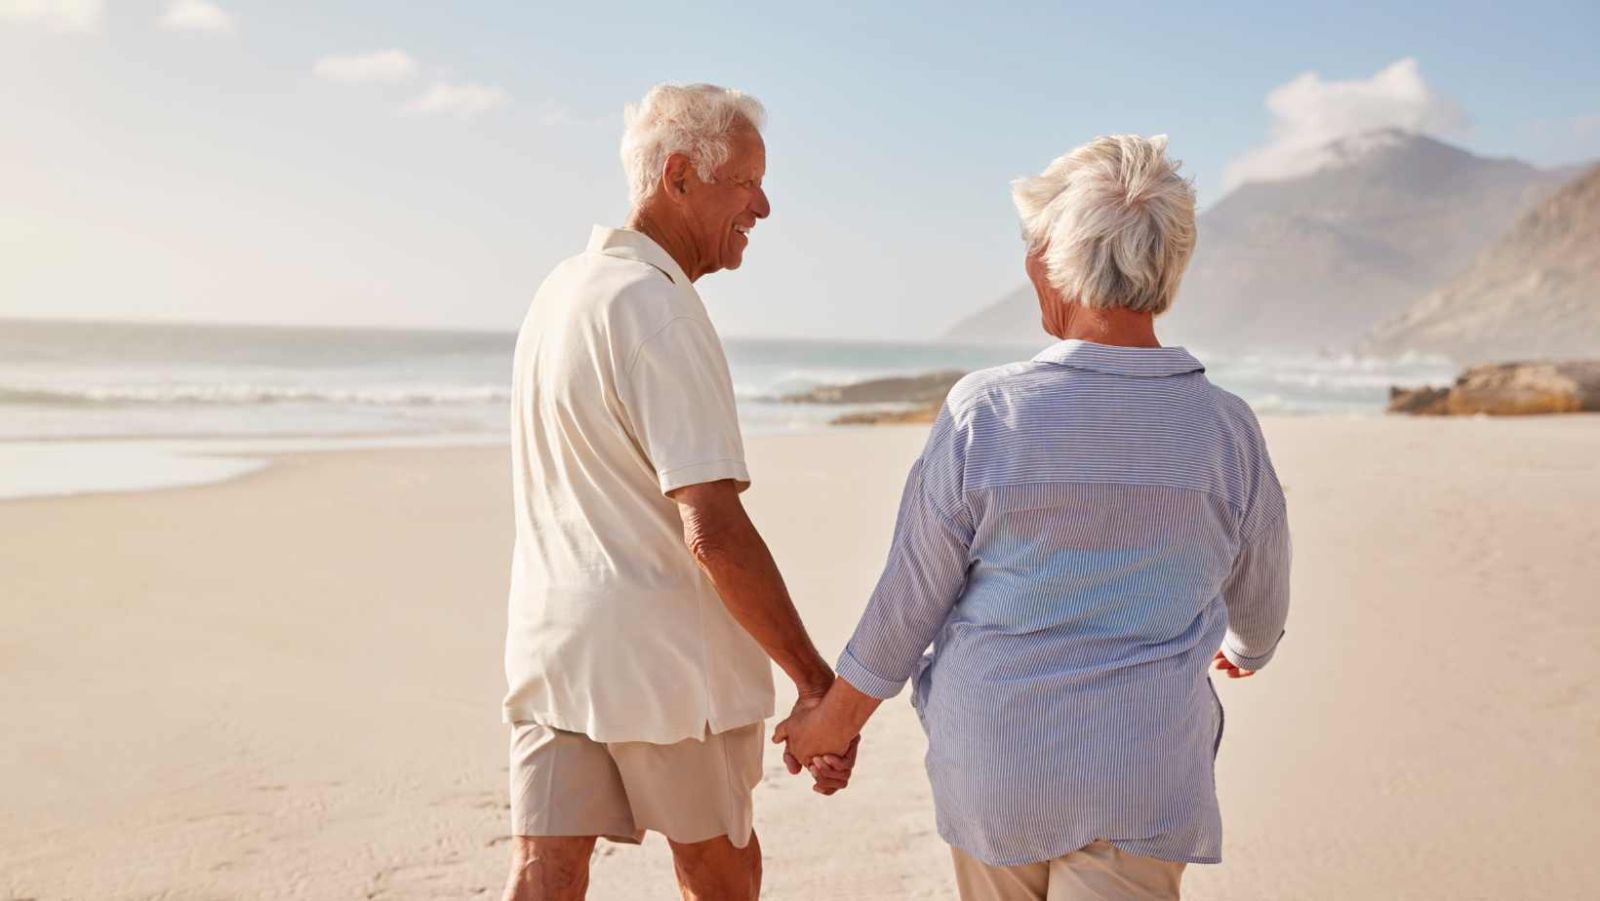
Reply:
x=1095 y=872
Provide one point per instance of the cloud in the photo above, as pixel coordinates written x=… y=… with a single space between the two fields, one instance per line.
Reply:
x=196 y=15
x=60 y=15
x=379 y=67
x=463 y=100
x=1308 y=114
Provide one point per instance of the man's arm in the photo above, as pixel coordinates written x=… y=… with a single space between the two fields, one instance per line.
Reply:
x=729 y=550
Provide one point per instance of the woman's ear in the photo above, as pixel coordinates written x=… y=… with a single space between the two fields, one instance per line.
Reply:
x=1055 y=311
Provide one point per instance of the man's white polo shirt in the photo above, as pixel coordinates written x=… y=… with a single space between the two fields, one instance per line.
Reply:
x=621 y=393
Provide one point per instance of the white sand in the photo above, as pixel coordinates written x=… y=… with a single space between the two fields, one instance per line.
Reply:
x=287 y=686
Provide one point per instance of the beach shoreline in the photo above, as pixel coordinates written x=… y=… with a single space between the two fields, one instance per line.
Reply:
x=287 y=684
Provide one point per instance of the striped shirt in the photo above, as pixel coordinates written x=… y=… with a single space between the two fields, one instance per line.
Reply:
x=1080 y=535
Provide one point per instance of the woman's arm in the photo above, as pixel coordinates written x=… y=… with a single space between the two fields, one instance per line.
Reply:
x=1257 y=590
x=921 y=582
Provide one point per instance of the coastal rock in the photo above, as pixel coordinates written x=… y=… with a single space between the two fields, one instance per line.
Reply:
x=1424 y=401
x=924 y=415
x=917 y=389
x=1508 y=389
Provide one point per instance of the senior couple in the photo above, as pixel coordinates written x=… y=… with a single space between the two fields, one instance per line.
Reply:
x=1084 y=535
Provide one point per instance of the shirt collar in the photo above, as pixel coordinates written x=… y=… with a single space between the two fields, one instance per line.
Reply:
x=627 y=244
x=1145 y=362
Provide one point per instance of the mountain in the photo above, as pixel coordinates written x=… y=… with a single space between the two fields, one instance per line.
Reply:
x=1013 y=319
x=1314 y=262
x=1533 y=293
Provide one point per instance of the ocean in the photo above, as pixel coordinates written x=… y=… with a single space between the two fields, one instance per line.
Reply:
x=89 y=406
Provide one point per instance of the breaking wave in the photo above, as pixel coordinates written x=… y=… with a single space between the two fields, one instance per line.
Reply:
x=248 y=395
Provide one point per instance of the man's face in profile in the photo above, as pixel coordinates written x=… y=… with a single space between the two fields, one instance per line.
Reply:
x=724 y=210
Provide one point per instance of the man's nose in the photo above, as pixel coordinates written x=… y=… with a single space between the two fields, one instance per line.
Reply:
x=762 y=207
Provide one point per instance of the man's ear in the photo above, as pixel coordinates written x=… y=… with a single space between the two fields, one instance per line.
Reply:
x=675 y=178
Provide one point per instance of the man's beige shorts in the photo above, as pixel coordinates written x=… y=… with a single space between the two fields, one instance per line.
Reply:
x=566 y=783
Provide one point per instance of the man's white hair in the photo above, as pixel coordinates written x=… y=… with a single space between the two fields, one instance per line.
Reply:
x=1115 y=222
x=695 y=120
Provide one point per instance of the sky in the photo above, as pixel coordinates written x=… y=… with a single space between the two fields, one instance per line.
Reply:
x=425 y=165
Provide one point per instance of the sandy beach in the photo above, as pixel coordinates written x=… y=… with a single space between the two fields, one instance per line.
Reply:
x=288 y=685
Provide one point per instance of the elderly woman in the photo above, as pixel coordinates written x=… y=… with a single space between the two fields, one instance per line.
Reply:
x=1079 y=538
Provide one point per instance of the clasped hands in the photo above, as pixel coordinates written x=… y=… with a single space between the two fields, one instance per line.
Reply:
x=824 y=748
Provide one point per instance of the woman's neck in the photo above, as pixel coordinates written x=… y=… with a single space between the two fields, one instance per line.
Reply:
x=1116 y=327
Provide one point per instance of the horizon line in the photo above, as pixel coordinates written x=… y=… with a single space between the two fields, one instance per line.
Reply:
x=408 y=329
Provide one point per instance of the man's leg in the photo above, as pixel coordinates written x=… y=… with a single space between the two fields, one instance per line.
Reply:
x=717 y=871
x=698 y=794
x=549 y=868
x=565 y=791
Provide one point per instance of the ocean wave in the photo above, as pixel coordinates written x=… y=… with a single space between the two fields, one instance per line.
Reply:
x=249 y=395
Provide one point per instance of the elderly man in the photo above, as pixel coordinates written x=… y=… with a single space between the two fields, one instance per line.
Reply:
x=644 y=606
x=1083 y=534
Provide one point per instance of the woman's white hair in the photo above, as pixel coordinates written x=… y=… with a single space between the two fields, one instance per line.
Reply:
x=1114 y=221
x=694 y=120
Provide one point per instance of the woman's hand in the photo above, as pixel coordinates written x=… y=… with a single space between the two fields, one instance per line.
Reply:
x=830 y=772
x=810 y=734
x=822 y=735
x=1221 y=662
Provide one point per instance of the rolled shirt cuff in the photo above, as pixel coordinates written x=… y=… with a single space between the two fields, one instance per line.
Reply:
x=700 y=473
x=866 y=681
x=1250 y=663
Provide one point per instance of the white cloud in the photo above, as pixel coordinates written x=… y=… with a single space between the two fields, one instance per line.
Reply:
x=196 y=15
x=61 y=15
x=463 y=100
x=1309 y=114
x=383 y=66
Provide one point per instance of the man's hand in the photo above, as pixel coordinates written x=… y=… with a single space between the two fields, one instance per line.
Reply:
x=825 y=749
x=1221 y=662
x=830 y=772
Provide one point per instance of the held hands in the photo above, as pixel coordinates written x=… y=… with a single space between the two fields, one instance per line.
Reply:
x=1221 y=662
x=827 y=751
x=829 y=772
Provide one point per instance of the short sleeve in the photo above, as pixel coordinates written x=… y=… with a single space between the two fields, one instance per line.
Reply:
x=677 y=397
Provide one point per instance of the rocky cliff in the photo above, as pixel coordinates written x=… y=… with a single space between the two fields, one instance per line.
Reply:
x=1534 y=292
